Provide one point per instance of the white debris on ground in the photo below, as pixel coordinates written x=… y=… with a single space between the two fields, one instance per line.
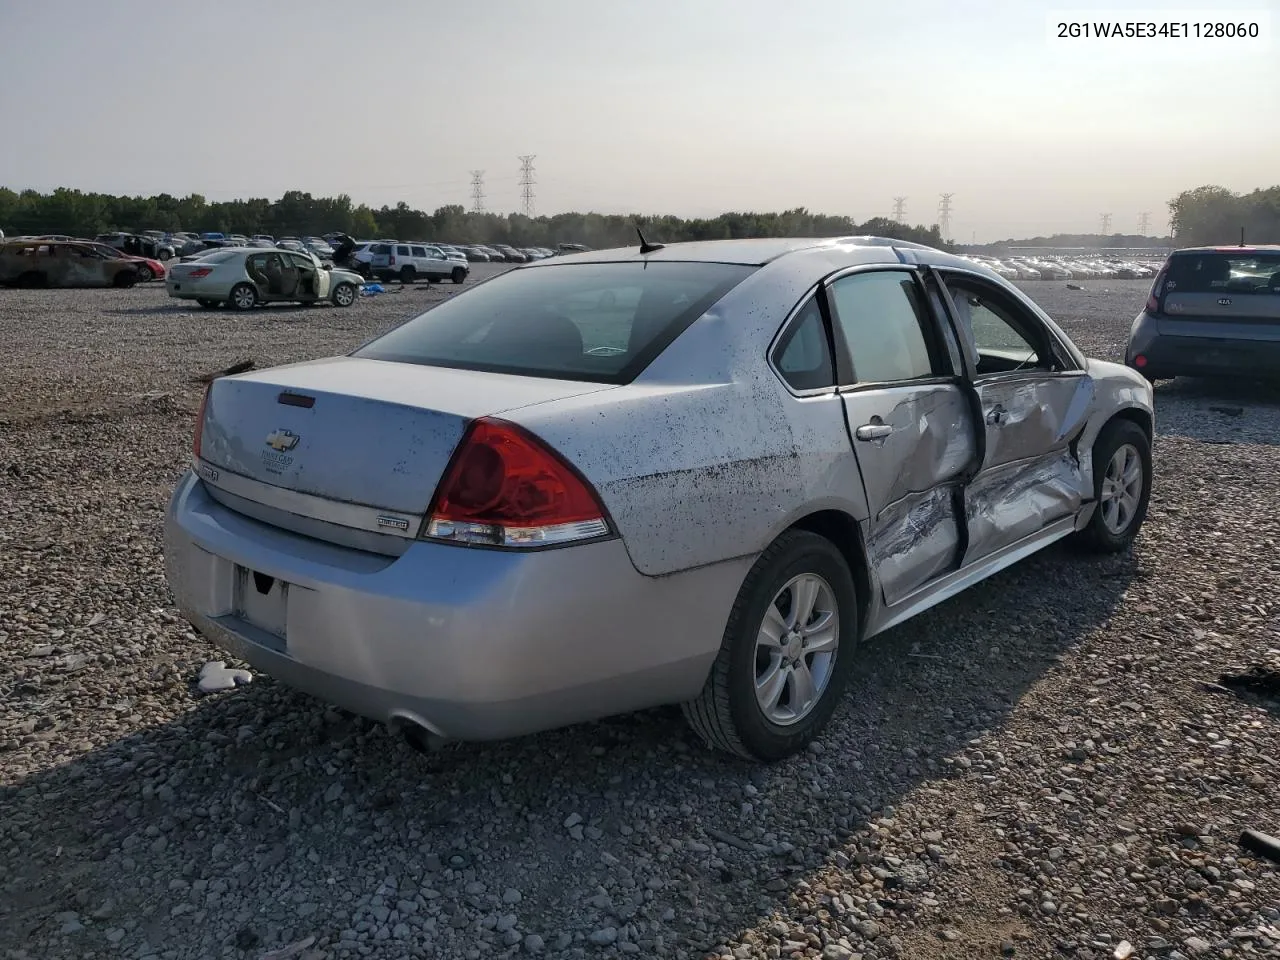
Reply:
x=1050 y=775
x=215 y=676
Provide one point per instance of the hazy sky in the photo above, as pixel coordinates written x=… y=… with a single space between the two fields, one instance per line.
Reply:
x=691 y=107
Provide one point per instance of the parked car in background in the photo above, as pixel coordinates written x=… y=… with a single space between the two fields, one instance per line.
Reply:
x=60 y=263
x=474 y=254
x=147 y=268
x=246 y=277
x=321 y=248
x=1212 y=311
x=410 y=262
x=138 y=245
x=794 y=444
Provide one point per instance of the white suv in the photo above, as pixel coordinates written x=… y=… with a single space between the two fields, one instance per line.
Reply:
x=407 y=262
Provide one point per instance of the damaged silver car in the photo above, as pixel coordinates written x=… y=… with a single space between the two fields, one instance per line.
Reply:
x=699 y=474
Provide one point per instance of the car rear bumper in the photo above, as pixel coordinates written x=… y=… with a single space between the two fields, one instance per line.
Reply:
x=467 y=643
x=1174 y=356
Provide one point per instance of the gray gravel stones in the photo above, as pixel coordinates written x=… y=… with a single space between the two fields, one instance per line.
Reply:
x=1046 y=739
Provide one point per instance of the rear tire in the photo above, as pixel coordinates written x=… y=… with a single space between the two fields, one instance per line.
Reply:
x=458 y=275
x=1121 y=488
x=125 y=279
x=741 y=708
x=408 y=275
x=243 y=297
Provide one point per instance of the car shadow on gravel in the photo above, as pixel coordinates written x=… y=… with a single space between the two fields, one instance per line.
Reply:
x=263 y=815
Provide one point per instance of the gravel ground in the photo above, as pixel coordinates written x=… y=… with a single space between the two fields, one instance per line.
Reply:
x=1036 y=768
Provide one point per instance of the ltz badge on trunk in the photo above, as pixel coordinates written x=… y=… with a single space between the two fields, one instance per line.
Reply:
x=276 y=460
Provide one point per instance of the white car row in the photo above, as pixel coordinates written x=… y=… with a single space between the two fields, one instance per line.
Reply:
x=1066 y=268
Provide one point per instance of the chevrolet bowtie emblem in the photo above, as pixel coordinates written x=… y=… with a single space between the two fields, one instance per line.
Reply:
x=282 y=440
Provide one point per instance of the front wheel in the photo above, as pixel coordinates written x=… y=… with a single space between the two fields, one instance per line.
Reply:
x=786 y=655
x=144 y=273
x=344 y=295
x=458 y=275
x=243 y=297
x=1121 y=487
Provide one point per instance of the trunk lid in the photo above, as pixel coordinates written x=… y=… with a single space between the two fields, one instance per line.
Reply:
x=362 y=432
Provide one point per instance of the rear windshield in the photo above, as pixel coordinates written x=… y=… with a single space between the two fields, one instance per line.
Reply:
x=600 y=322
x=219 y=257
x=1217 y=272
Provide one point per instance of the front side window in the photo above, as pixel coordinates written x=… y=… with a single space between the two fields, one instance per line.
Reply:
x=1003 y=338
x=599 y=322
x=882 y=317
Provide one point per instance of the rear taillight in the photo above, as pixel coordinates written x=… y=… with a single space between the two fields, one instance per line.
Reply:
x=1157 y=285
x=200 y=272
x=391 y=259
x=195 y=445
x=506 y=488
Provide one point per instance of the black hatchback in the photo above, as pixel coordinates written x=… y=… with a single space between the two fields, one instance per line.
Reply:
x=1212 y=311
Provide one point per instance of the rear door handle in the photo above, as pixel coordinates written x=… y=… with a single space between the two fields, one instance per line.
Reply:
x=873 y=431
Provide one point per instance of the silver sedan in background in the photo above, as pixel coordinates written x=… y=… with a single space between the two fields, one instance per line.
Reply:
x=247 y=277
x=695 y=474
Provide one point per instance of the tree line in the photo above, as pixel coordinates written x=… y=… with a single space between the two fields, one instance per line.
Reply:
x=1204 y=215
x=296 y=213
x=1215 y=215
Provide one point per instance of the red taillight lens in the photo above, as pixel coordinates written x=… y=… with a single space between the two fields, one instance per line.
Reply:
x=505 y=487
x=200 y=272
x=195 y=445
x=1157 y=285
x=1139 y=361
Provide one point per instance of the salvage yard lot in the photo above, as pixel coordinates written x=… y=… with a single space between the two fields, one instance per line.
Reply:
x=1034 y=768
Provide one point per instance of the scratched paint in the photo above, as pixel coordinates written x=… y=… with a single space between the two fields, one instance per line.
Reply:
x=1019 y=498
x=917 y=540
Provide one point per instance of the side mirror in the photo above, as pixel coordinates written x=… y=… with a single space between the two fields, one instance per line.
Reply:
x=328 y=266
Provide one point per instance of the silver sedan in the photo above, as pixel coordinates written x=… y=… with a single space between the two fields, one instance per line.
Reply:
x=695 y=474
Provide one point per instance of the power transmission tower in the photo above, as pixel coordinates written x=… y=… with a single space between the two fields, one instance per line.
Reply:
x=899 y=208
x=477 y=191
x=1106 y=225
x=1144 y=223
x=526 y=183
x=944 y=216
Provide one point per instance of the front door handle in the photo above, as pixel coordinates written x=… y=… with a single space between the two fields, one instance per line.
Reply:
x=873 y=431
x=997 y=415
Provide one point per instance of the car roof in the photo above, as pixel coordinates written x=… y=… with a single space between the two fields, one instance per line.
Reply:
x=1236 y=248
x=757 y=252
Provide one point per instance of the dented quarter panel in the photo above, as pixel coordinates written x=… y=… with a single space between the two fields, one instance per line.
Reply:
x=914 y=524
x=706 y=456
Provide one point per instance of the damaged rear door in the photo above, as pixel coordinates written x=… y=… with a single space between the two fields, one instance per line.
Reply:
x=912 y=424
x=1035 y=402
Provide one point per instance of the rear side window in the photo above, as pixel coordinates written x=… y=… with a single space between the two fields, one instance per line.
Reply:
x=1221 y=272
x=419 y=252
x=803 y=356
x=882 y=317
x=598 y=322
